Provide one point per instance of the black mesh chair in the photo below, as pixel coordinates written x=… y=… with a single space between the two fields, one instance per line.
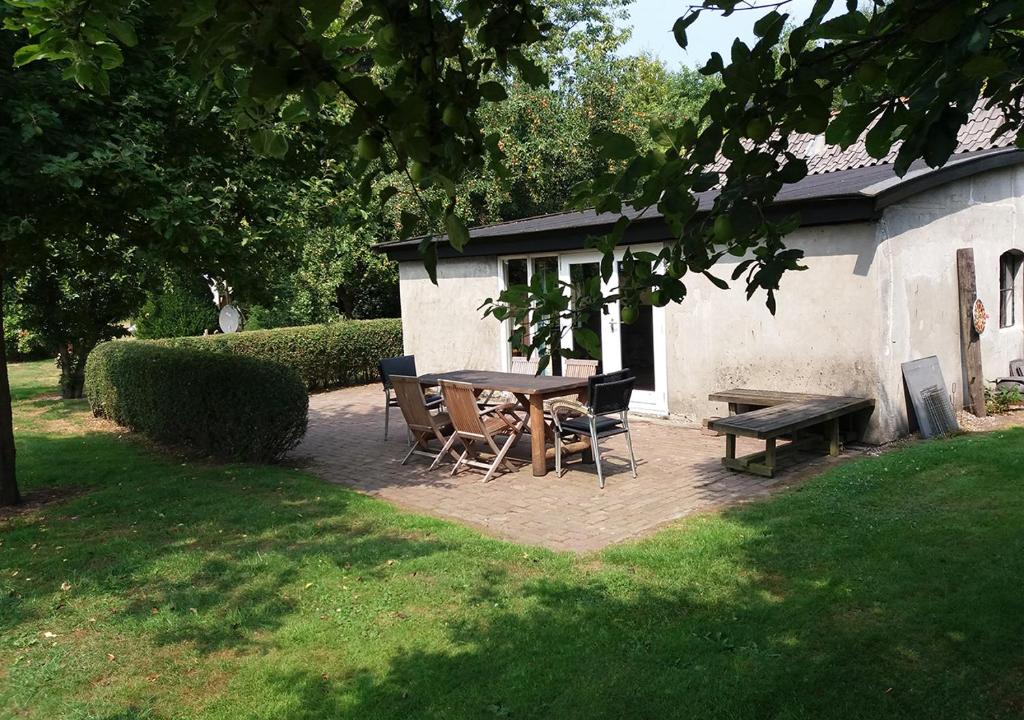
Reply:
x=406 y=366
x=605 y=414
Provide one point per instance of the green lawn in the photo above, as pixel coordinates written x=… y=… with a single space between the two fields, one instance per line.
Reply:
x=889 y=587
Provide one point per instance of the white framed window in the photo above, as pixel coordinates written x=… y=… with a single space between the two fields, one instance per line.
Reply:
x=1009 y=276
x=522 y=270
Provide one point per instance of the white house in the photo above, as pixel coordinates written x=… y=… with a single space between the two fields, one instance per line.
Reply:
x=880 y=289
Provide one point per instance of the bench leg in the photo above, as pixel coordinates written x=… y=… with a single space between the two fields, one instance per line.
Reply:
x=769 y=455
x=833 y=437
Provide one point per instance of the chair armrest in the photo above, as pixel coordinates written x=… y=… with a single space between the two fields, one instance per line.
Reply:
x=567 y=407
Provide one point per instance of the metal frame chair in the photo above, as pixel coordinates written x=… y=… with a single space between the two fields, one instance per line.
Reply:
x=474 y=427
x=422 y=423
x=609 y=396
x=402 y=365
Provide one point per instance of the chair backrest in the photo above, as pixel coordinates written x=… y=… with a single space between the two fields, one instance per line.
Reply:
x=1017 y=368
x=577 y=368
x=606 y=378
x=403 y=365
x=525 y=366
x=611 y=397
x=409 y=394
x=460 y=401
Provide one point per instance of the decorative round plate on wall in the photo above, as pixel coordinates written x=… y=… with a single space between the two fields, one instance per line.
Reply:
x=980 y=316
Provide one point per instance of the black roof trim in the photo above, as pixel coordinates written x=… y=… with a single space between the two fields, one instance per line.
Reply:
x=855 y=195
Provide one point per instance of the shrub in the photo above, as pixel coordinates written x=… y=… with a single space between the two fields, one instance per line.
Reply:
x=332 y=355
x=234 y=408
x=179 y=311
x=999 y=400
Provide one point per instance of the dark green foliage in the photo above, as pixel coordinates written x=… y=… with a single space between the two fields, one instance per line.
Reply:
x=230 y=407
x=332 y=355
x=176 y=312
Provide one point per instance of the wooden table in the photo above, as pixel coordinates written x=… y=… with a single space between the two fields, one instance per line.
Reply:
x=779 y=414
x=530 y=390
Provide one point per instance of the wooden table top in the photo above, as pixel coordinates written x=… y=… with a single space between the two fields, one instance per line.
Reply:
x=520 y=383
x=784 y=418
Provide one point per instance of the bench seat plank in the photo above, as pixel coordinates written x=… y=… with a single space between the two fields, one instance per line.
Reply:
x=787 y=417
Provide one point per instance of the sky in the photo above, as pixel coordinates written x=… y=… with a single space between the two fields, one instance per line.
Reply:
x=652 y=30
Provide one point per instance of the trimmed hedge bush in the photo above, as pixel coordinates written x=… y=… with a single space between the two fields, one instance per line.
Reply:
x=325 y=356
x=235 y=408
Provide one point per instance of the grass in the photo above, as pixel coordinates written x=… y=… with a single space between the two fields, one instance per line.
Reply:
x=888 y=587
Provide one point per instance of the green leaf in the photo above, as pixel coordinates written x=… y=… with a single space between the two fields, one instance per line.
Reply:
x=28 y=53
x=428 y=252
x=110 y=55
x=983 y=66
x=717 y=282
x=123 y=31
x=266 y=81
x=458 y=235
x=493 y=91
x=198 y=12
x=942 y=25
x=616 y=146
x=769 y=24
x=322 y=13
x=680 y=25
x=713 y=65
x=589 y=340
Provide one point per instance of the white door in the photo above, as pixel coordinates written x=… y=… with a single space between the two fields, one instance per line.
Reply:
x=639 y=346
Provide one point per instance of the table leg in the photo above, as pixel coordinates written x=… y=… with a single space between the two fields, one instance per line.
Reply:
x=537 y=440
x=769 y=455
x=730 y=446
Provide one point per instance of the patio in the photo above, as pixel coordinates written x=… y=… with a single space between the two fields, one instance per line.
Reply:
x=680 y=473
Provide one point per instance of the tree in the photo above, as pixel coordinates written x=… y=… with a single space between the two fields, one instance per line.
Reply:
x=99 y=191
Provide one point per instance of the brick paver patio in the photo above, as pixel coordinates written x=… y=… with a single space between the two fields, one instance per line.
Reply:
x=678 y=468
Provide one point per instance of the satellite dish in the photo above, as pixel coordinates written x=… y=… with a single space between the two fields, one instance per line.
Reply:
x=230 y=319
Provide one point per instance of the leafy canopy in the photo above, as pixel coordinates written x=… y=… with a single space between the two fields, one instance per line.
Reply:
x=413 y=77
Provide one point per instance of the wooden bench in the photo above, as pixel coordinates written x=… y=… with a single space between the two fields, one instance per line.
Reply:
x=780 y=414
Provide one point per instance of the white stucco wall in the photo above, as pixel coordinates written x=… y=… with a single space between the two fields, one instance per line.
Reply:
x=824 y=337
x=441 y=324
x=922 y=235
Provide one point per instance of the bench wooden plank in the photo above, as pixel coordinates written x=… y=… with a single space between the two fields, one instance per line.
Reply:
x=763 y=398
x=785 y=418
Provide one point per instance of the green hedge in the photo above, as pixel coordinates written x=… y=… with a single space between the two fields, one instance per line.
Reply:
x=325 y=356
x=235 y=408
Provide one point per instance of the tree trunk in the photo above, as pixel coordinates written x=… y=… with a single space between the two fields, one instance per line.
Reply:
x=72 y=373
x=9 y=494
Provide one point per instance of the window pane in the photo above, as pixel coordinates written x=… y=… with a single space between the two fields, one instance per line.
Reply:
x=515 y=274
x=638 y=347
x=545 y=273
x=583 y=276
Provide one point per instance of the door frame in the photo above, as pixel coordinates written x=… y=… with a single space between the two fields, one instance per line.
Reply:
x=654 y=401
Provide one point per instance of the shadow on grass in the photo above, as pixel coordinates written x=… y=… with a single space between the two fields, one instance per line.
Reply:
x=891 y=588
x=203 y=554
x=888 y=588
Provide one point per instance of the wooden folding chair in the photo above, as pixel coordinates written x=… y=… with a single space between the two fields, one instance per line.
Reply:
x=423 y=424
x=578 y=368
x=476 y=428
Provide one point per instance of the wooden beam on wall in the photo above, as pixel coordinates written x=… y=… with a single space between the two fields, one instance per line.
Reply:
x=970 y=341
